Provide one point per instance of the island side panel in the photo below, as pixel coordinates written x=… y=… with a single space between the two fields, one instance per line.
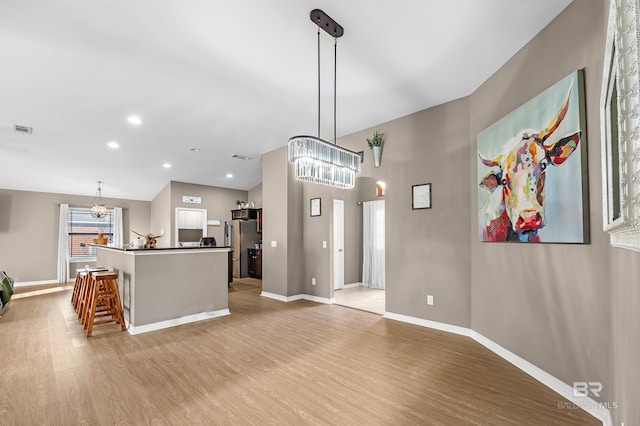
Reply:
x=171 y=285
x=124 y=264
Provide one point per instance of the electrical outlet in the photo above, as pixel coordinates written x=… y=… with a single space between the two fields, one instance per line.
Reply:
x=324 y=244
x=274 y=244
x=313 y=281
x=429 y=299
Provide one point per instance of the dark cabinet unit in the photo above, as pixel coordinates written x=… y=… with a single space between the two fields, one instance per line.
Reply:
x=259 y=212
x=255 y=263
x=248 y=214
x=244 y=214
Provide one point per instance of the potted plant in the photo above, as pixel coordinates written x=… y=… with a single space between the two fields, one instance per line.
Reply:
x=375 y=143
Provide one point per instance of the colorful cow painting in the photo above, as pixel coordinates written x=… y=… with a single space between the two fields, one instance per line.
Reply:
x=523 y=194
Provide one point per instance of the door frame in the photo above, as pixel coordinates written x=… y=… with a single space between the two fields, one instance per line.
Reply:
x=177 y=227
x=338 y=243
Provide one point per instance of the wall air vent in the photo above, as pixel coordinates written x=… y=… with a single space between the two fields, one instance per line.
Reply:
x=240 y=157
x=23 y=129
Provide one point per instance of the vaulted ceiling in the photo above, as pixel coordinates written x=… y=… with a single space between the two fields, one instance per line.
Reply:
x=211 y=79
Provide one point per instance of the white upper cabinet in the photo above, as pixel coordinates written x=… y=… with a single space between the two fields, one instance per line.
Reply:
x=191 y=218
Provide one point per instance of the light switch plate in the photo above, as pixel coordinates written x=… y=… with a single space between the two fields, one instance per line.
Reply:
x=324 y=244
x=274 y=244
x=429 y=299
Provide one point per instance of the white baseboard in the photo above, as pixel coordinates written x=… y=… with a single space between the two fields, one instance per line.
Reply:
x=317 y=299
x=428 y=323
x=177 y=321
x=280 y=297
x=596 y=409
x=352 y=285
x=589 y=405
x=28 y=283
x=309 y=297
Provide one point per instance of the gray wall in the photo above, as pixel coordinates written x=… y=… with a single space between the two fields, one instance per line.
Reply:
x=287 y=220
x=318 y=260
x=295 y=232
x=29 y=229
x=217 y=201
x=316 y=230
x=548 y=303
x=274 y=223
x=625 y=312
x=352 y=234
x=426 y=250
x=161 y=217
x=255 y=195
x=283 y=267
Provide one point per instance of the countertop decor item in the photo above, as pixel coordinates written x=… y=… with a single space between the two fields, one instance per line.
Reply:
x=314 y=159
x=375 y=143
x=101 y=239
x=150 y=239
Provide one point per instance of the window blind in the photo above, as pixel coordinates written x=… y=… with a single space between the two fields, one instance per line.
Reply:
x=83 y=228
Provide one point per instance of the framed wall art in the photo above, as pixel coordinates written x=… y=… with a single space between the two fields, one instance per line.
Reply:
x=315 y=207
x=620 y=126
x=532 y=170
x=421 y=196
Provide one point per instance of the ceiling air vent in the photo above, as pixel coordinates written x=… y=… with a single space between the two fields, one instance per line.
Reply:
x=240 y=157
x=23 y=129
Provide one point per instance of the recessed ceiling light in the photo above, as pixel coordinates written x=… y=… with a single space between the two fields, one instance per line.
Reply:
x=134 y=120
x=113 y=144
x=195 y=149
x=166 y=165
x=229 y=175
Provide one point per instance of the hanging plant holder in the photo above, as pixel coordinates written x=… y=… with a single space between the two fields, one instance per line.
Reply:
x=375 y=144
x=377 y=155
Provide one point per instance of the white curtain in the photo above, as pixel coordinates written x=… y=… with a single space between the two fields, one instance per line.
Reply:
x=117 y=239
x=373 y=244
x=63 y=244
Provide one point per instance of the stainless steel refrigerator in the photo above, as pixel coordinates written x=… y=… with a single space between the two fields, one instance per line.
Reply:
x=241 y=235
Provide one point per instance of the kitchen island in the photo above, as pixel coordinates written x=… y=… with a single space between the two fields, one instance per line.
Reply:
x=165 y=287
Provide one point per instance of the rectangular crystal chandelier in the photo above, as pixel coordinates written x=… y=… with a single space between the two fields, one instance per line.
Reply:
x=316 y=160
x=319 y=161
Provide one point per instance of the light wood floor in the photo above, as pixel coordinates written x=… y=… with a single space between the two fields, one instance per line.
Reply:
x=267 y=363
x=366 y=299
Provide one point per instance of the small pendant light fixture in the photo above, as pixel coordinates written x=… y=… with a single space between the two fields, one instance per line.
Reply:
x=98 y=209
x=316 y=160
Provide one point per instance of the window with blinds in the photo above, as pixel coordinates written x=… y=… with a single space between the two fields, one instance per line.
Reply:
x=83 y=228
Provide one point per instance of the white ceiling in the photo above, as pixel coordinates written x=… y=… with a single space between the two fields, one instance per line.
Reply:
x=227 y=77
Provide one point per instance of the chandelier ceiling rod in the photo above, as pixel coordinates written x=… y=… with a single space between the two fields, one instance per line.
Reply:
x=335 y=30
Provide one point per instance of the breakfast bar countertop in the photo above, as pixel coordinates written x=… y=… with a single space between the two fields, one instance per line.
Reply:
x=130 y=248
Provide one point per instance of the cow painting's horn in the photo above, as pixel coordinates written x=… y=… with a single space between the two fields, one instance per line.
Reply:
x=490 y=163
x=544 y=134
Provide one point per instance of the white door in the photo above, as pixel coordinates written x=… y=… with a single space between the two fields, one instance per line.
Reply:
x=338 y=244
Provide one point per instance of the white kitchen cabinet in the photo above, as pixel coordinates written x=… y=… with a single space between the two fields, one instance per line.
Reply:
x=191 y=219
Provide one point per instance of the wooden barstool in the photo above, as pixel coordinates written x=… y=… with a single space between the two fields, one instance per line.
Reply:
x=104 y=301
x=89 y=288
x=76 y=287
x=80 y=303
